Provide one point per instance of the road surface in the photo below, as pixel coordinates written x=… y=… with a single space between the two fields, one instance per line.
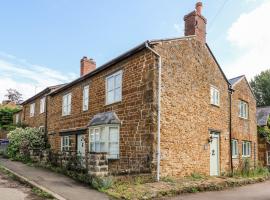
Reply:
x=258 y=191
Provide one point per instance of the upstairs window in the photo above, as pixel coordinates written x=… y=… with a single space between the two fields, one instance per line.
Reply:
x=114 y=88
x=32 y=110
x=65 y=143
x=105 y=139
x=66 y=104
x=246 y=149
x=234 y=148
x=215 y=96
x=42 y=105
x=243 y=109
x=85 y=97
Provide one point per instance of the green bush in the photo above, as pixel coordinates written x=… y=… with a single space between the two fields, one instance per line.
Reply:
x=102 y=183
x=22 y=140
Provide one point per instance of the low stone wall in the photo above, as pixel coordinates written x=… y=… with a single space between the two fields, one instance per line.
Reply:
x=95 y=164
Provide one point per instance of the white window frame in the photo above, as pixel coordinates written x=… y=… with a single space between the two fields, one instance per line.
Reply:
x=85 y=98
x=66 y=104
x=246 y=149
x=234 y=148
x=243 y=109
x=114 y=87
x=65 y=143
x=32 y=109
x=42 y=129
x=42 y=105
x=17 y=117
x=214 y=96
x=268 y=158
x=100 y=136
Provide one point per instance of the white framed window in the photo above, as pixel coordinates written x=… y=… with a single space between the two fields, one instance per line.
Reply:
x=243 y=109
x=32 y=110
x=114 y=88
x=66 y=104
x=234 y=148
x=268 y=158
x=17 y=118
x=215 y=96
x=42 y=129
x=42 y=105
x=65 y=143
x=105 y=139
x=246 y=149
x=85 y=97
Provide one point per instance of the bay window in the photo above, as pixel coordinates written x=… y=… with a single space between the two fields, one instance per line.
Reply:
x=105 y=138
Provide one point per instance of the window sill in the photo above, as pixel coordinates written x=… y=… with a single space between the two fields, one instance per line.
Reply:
x=243 y=118
x=111 y=104
x=234 y=157
x=217 y=106
x=245 y=156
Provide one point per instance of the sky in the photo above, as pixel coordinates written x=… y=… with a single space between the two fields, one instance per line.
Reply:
x=42 y=42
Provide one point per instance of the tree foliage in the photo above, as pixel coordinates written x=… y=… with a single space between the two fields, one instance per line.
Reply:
x=261 y=88
x=6 y=118
x=22 y=140
x=14 y=96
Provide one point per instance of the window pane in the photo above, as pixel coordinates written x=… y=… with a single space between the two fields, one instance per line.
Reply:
x=110 y=83
x=113 y=134
x=110 y=97
x=118 y=80
x=117 y=96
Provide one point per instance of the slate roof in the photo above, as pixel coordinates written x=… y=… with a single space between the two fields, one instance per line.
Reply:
x=129 y=53
x=232 y=81
x=262 y=115
x=104 y=118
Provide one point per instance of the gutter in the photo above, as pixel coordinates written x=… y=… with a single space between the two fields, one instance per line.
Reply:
x=159 y=106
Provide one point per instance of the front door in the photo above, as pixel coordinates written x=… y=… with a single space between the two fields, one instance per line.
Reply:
x=81 y=145
x=214 y=154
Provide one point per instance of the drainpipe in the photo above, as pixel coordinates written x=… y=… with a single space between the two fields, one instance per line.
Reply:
x=158 y=120
x=46 y=120
x=230 y=126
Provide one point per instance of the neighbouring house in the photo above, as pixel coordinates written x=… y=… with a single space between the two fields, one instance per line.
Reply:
x=243 y=118
x=263 y=120
x=162 y=107
x=34 y=110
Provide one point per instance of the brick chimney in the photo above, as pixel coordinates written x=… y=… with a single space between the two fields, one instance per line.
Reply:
x=87 y=65
x=195 y=23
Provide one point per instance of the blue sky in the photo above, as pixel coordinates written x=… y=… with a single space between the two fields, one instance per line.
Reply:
x=43 y=41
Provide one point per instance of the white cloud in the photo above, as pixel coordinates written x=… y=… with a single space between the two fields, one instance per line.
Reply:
x=250 y=37
x=27 y=78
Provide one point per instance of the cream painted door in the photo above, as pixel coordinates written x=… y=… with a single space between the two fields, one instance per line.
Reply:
x=214 y=155
x=81 y=145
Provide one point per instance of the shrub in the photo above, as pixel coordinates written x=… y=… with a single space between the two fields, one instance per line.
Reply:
x=22 y=140
x=103 y=183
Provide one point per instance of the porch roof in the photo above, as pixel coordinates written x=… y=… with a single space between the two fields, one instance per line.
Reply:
x=104 y=118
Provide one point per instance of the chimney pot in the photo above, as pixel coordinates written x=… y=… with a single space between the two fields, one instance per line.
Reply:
x=87 y=65
x=195 y=23
x=199 y=6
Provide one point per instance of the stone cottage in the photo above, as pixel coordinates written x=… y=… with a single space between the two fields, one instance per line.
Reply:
x=243 y=122
x=162 y=107
x=263 y=114
x=34 y=110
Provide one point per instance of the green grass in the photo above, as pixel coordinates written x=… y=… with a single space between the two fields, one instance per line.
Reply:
x=41 y=193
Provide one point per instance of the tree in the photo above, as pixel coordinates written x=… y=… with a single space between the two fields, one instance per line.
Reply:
x=14 y=96
x=261 y=88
